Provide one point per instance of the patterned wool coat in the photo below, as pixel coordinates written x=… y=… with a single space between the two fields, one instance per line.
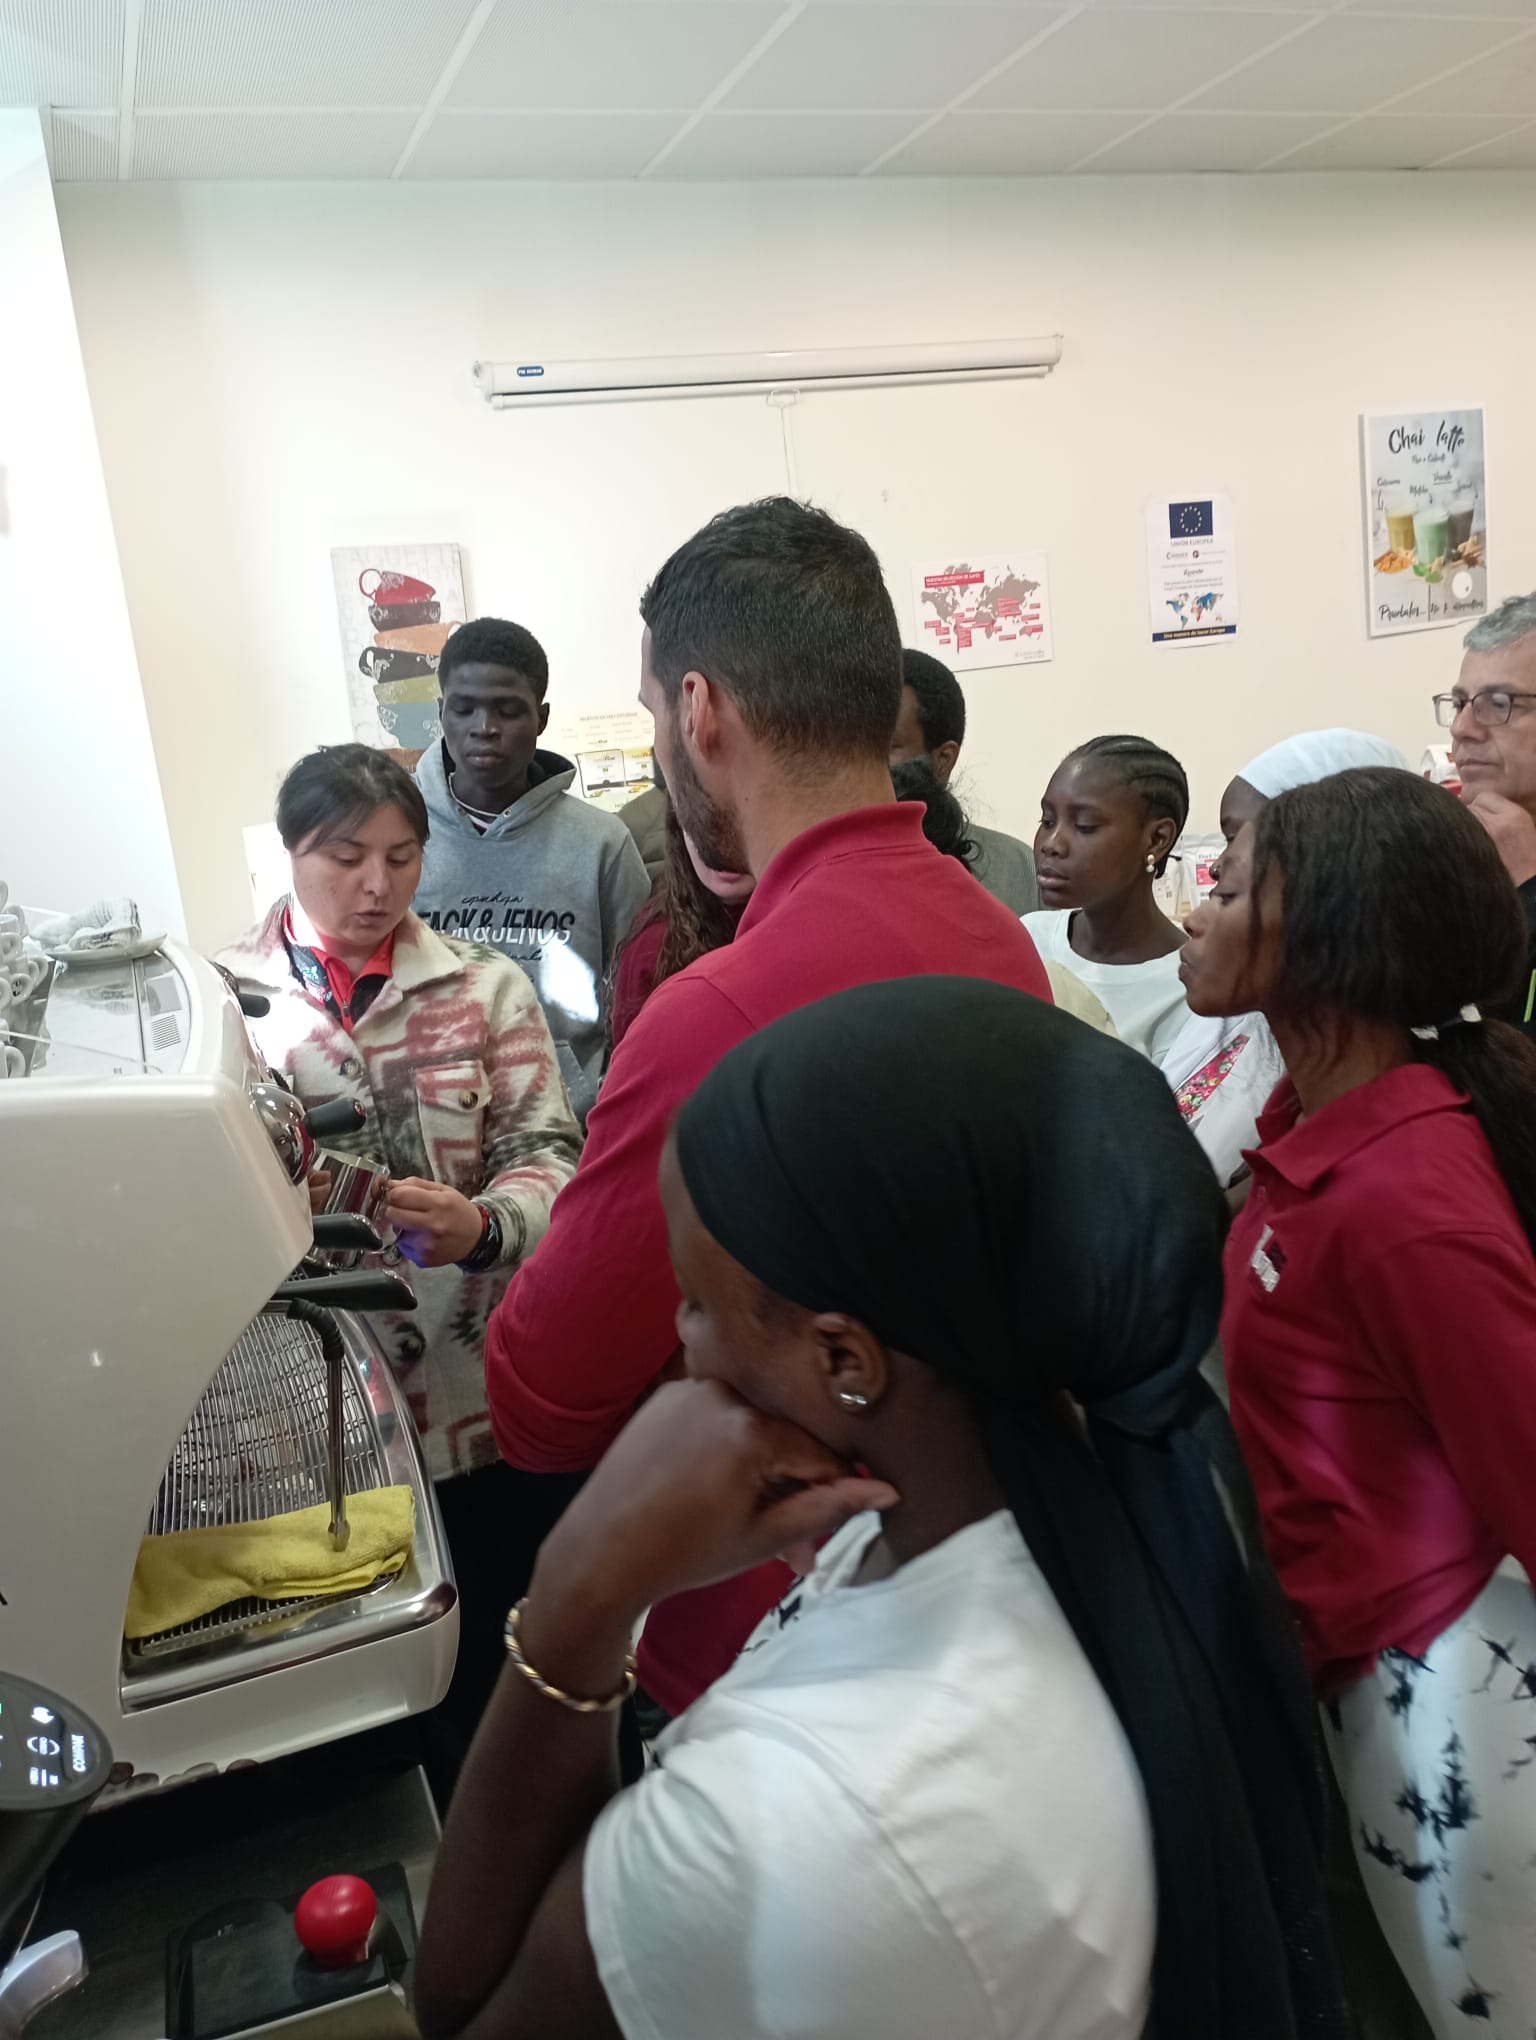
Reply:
x=454 y=1065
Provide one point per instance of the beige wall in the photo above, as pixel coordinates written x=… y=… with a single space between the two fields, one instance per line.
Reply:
x=80 y=809
x=278 y=369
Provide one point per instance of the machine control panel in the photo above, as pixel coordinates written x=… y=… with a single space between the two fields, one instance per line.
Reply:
x=50 y=1753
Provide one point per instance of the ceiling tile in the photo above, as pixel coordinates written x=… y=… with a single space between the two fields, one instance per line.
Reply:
x=1394 y=141
x=63 y=52
x=619 y=53
x=1502 y=83
x=1463 y=10
x=475 y=144
x=343 y=144
x=886 y=55
x=205 y=53
x=1347 y=64
x=1210 y=141
x=83 y=147
x=965 y=144
x=1290 y=7
x=1139 y=59
x=1514 y=151
x=229 y=88
x=785 y=144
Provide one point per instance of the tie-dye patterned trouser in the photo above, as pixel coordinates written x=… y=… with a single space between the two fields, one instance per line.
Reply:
x=1436 y=1759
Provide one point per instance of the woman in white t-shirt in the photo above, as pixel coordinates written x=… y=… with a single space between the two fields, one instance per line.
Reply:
x=1108 y=821
x=1020 y=1759
x=1223 y=1070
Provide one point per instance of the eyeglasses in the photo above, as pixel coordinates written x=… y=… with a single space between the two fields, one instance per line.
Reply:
x=1493 y=706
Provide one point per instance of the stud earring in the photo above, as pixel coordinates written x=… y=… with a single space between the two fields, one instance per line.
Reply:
x=852 y=1400
x=1151 y=865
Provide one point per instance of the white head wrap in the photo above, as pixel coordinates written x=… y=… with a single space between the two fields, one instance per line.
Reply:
x=1317 y=754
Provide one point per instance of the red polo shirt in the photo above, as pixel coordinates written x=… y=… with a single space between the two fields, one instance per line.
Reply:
x=589 y=1323
x=1380 y=1341
x=342 y=980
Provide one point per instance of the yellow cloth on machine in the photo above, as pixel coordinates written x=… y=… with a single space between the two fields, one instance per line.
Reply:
x=285 y=1558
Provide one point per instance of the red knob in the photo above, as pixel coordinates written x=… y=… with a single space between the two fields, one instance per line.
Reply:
x=334 y=1919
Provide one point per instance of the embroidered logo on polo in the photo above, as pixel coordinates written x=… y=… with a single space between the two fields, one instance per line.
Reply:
x=1268 y=1259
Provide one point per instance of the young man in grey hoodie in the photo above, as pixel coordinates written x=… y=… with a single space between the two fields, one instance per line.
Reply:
x=514 y=859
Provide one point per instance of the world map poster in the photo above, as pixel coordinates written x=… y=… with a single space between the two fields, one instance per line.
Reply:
x=993 y=609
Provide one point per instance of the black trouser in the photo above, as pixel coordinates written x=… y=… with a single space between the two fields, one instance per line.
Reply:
x=495 y=1520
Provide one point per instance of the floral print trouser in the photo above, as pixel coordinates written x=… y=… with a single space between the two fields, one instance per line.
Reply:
x=1436 y=1759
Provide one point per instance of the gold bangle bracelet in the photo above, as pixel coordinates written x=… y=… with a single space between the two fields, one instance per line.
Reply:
x=512 y=1637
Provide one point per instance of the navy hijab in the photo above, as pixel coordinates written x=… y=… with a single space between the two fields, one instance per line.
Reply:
x=1007 y=1196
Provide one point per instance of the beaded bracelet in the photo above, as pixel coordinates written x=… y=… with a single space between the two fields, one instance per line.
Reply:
x=512 y=1637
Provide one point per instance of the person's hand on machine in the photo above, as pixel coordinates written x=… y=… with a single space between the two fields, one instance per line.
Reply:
x=319 y=1181
x=436 y=1224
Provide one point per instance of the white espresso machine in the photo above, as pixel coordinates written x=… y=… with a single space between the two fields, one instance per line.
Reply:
x=151 y=1178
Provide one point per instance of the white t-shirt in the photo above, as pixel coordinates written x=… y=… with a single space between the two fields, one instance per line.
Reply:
x=1222 y=1072
x=908 y=1812
x=1145 y=1000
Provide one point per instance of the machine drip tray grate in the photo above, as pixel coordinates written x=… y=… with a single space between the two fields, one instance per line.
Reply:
x=254 y=1448
x=238 y=1618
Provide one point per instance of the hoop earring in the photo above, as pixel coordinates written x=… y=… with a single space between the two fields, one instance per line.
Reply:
x=852 y=1400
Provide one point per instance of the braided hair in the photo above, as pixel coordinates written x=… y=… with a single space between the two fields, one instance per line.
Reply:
x=1150 y=771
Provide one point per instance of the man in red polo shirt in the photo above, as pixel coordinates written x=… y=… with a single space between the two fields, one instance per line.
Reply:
x=771 y=662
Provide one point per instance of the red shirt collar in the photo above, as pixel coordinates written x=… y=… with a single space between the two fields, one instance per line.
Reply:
x=342 y=979
x=1303 y=1153
x=893 y=825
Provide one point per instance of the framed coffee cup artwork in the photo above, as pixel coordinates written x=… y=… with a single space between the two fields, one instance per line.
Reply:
x=396 y=607
x=1426 y=518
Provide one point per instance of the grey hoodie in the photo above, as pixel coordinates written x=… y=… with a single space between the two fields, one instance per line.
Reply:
x=554 y=884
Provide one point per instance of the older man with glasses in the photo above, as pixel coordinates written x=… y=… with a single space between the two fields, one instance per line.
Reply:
x=1493 y=742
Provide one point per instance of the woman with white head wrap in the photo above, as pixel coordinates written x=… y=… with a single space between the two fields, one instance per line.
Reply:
x=1222 y=1071
x=1300 y=761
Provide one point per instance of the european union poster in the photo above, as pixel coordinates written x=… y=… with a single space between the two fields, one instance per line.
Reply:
x=1191 y=569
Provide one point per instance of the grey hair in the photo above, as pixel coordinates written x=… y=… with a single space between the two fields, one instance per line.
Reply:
x=1514 y=619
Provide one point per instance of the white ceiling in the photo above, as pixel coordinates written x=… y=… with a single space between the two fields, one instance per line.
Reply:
x=769 y=88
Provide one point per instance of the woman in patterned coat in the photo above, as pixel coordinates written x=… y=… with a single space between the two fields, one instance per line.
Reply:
x=444 y=1045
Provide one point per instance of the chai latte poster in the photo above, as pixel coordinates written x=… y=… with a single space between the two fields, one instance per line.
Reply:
x=1426 y=519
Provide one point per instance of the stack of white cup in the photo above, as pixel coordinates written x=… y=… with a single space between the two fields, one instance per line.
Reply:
x=20 y=975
